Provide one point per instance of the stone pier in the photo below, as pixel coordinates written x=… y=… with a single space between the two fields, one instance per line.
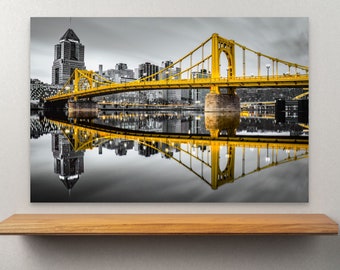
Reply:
x=222 y=103
x=216 y=122
x=82 y=108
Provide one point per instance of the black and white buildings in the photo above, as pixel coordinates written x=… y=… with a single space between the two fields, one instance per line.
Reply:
x=68 y=55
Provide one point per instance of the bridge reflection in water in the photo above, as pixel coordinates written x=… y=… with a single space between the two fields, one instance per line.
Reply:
x=217 y=158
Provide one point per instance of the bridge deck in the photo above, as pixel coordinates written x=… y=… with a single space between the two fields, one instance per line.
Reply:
x=237 y=82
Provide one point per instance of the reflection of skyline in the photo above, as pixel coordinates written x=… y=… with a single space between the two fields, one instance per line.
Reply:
x=130 y=163
x=213 y=160
x=68 y=163
x=251 y=123
x=120 y=146
x=188 y=154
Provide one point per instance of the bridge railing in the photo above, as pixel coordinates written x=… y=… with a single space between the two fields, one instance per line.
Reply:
x=296 y=80
x=170 y=81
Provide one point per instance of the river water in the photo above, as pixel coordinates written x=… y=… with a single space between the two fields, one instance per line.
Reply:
x=168 y=156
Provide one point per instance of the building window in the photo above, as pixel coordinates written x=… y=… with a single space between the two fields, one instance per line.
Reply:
x=58 y=52
x=73 y=51
x=56 y=76
x=58 y=166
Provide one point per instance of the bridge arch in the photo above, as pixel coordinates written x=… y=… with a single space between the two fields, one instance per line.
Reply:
x=227 y=51
x=83 y=80
x=220 y=47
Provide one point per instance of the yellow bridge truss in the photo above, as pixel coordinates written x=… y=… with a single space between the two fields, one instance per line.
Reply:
x=200 y=68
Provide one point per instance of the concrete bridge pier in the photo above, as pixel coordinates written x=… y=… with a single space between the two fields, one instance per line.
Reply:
x=216 y=122
x=217 y=102
x=55 y=106
x=82 y=108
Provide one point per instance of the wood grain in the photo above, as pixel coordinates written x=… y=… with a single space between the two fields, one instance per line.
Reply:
x=169 y=224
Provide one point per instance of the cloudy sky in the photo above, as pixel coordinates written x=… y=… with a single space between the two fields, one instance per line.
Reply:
x=134 y=41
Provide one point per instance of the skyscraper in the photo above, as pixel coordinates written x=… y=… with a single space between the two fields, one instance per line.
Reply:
x=174 y=95
x=68 y=55
x=147 y=69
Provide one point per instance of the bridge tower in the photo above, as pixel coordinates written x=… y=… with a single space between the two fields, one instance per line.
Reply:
x=215 y=101
x=219 y=46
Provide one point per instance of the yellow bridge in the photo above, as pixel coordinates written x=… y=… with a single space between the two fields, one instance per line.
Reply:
x=200 y=68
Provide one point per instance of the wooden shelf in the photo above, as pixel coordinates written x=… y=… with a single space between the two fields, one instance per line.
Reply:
x=168 y=224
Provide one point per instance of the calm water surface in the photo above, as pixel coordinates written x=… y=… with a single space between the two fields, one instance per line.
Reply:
x=144 y=156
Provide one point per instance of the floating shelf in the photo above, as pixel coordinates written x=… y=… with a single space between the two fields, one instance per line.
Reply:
x=167 y=224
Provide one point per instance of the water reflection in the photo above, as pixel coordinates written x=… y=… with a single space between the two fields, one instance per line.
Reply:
x=68 y=162
x=222 y=121
x=208 y=146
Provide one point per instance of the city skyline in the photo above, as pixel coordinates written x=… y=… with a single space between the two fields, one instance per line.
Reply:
x=134 y=41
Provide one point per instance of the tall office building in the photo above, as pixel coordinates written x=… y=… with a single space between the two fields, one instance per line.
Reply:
x=144 y=70
x=147 y=69
x=174 y=95
x=68 y=55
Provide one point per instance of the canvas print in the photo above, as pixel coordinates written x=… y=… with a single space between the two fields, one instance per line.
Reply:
x=169 y=109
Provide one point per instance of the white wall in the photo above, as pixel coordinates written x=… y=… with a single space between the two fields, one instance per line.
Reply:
x=180 y=252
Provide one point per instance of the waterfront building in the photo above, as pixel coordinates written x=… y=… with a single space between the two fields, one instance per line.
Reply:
x=194 y=95
x=144 y=70
x=200 y=74
x=68 y=55
x=120 y=146
x=173 y=95
x=147 y=151
x=40 y=90
x=147 y=69
x=120 y=74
